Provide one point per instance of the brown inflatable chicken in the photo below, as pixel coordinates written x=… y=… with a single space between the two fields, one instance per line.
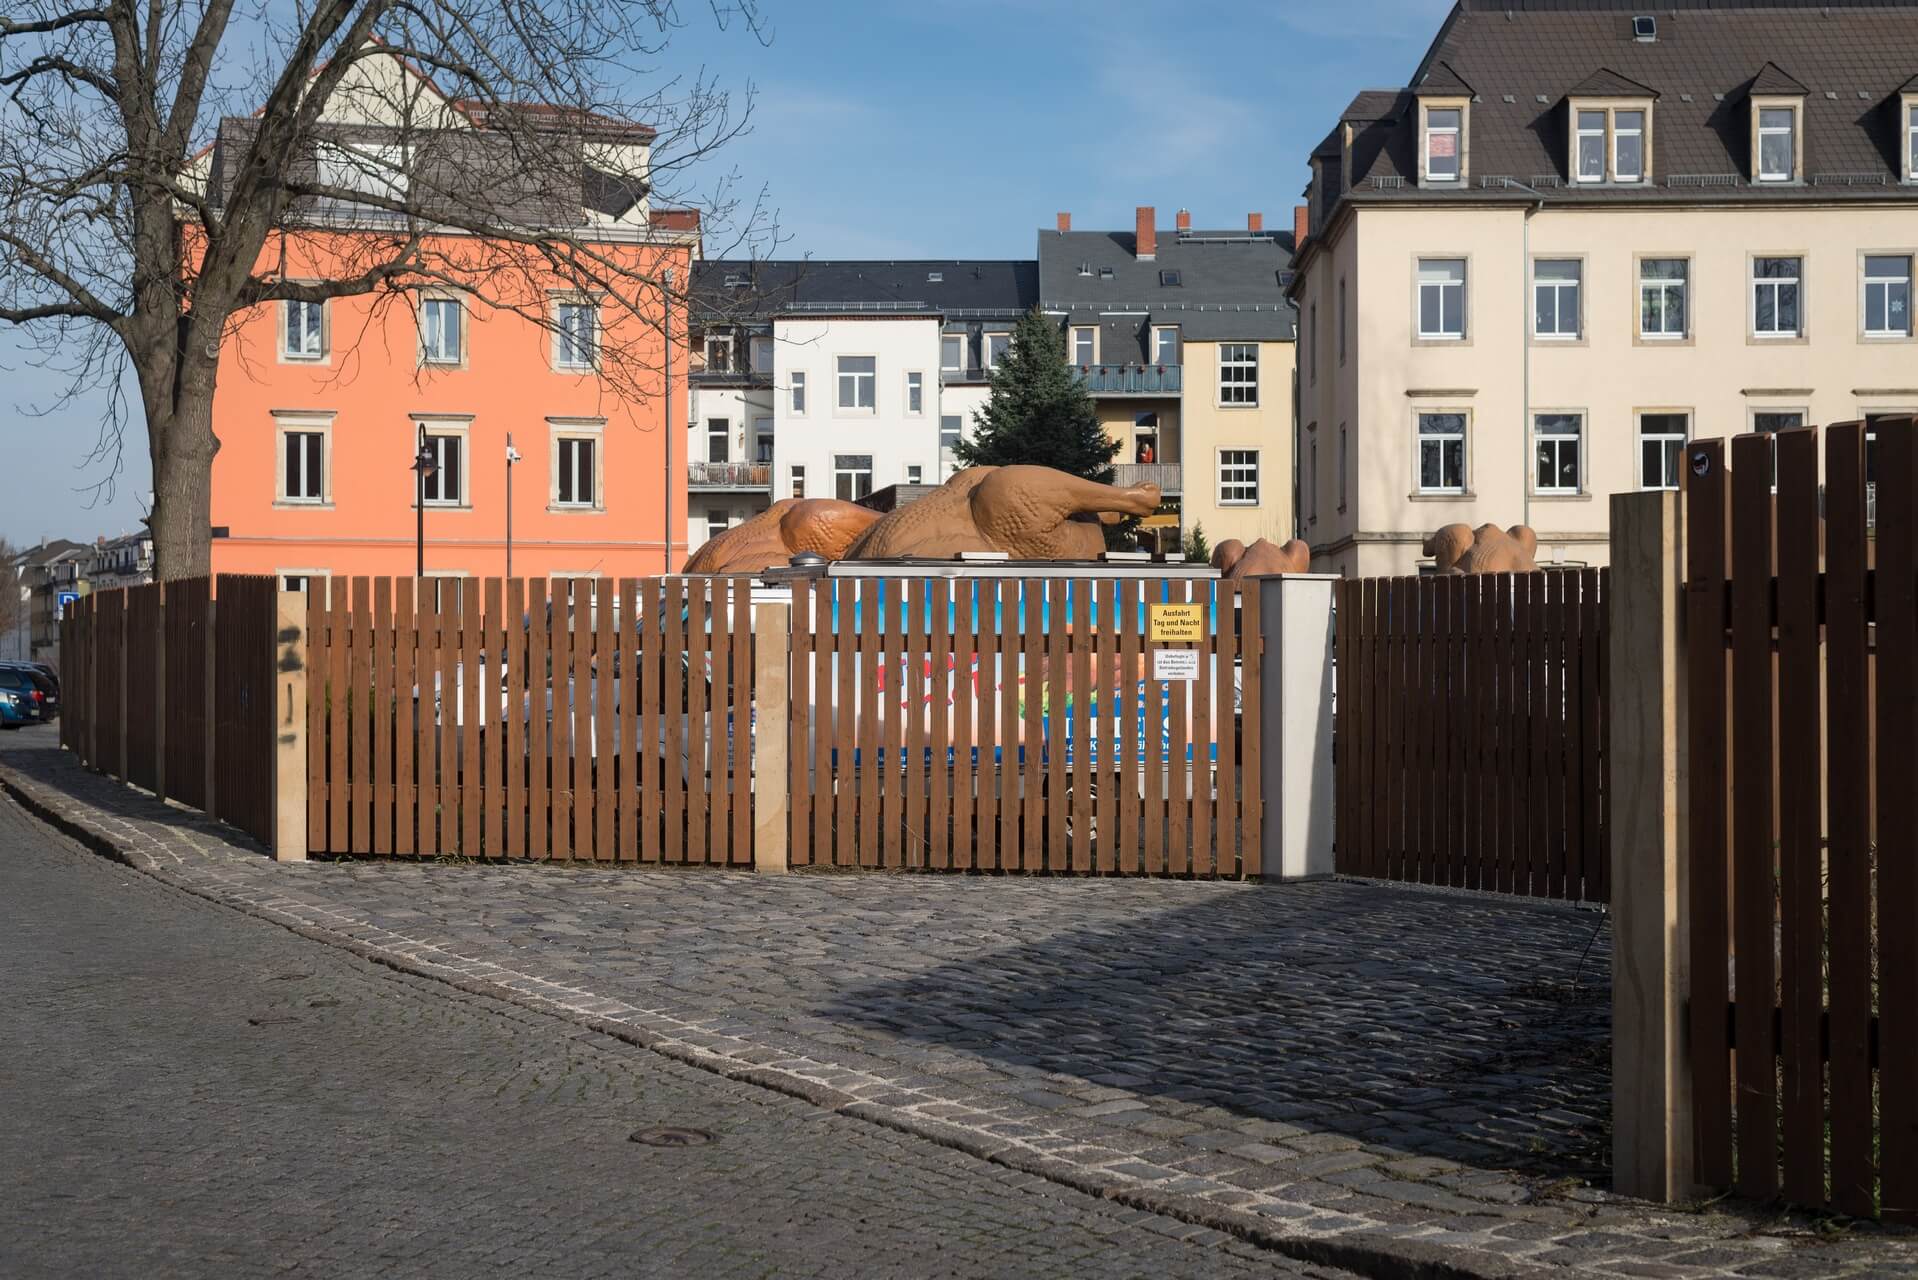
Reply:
x=1233 y=559
x=1030 y=513
x=790 y=526
x=1459 y=548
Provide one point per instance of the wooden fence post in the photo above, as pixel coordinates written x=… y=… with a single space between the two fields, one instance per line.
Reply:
x=1295 y=726
x=772 y=774
x=289 y=733
x=159 y=691
x=211 y=736
x=1652 y=1146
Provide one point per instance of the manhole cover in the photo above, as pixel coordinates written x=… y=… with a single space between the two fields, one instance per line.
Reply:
x=671 y=1136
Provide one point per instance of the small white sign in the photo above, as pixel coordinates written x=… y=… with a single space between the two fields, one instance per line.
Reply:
x=1175 y=664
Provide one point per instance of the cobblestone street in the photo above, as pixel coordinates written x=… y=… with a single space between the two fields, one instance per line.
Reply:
x=1359 y=1075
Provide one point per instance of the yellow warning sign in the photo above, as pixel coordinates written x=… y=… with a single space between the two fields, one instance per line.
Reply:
x=1175 y=623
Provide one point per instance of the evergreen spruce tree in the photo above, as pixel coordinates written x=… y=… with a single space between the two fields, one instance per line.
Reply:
x=1039 y=414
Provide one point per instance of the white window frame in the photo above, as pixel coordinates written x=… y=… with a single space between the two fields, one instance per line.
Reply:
x=1556 y=440
x=1639 y=440
x=1580 y=132
x=1238 y=393
x=1684 y=285
x=958 y=429
x=951 y=342
x=870 y=377
x=1420 y=435
x=364 y=168
x=1642 y=133
x=562 y=430
x=852 y=473
x=985 y=347
x=724 y=347
x=1085 y=330
x=1911 y=138
x=1759 y=284
x=1761 y=131
x=915 y=473
x=762 y=434
x=1165 y=337
x=796 y=479
x=1751 y=423
x=438 y=357
x=1430 y=131
x=1558 y=289
x=720 y=429
x=759 y=353
x=798 y=390
x=317 y=333
x=1462 y=284
x=915 y=394
x=572 y=352
x=308 y=577
x=1238 y=470
x=442 y=429
x=285 y=425
x=1610 y=110
x=1865 y=282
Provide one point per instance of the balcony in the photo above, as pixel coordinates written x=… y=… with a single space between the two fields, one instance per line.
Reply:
x=729 y=475
x=1163 y=474
x=1130 y=379
x=975 y=374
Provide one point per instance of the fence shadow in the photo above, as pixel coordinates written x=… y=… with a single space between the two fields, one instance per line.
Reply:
x=1441 y=1025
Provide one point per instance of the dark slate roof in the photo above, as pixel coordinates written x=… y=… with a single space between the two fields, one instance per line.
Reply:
x=1229 y=285
x=1525 y=57
x=743 y=290
x=1607 y=83
x=1440 y=80
x=1771 y=78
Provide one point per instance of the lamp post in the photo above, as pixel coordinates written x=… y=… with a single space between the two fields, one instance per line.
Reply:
x=424 y=464
x=512 y=456
x=666 y=302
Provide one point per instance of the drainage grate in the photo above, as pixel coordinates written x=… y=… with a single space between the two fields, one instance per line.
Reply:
x=671 y=1136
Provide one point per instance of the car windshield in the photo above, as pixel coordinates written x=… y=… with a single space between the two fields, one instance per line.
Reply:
x=14 y=680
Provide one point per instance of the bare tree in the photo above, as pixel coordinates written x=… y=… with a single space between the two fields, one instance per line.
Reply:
x=166 y=165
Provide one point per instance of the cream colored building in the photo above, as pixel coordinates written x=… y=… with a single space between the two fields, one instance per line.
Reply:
x=1238 y=455
x=1532 y=276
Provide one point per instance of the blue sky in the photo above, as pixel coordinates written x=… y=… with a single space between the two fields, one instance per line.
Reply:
x=915 y=128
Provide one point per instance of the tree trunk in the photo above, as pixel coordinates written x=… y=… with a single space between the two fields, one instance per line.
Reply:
x=181 y=438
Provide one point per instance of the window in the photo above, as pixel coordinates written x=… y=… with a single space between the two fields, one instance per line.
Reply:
x=1312 y=332
x=1442 y=143
x=1170 y=280
x=762 y=354
x=851 y=476
x=440 y=330
x=1591 y=146
x=1775 y=297
x=1777 y=144
x=715 y=524
x=1238 y=373
x=1145 y=438
x=763 y=441
x=799 y=394
x=1085 y=346
x=798 y=481
x=1165 y=345
x=1628 y=146
x=575 y=478
x=1312 y=483
x=303 y=335
x=366 y=169
x=719 y=435
x=1771 y=422
x=997 y=344
x=1442 y=298
x=1911 y=142
x=1555 y=297
x=1238 y=477
x=1344 y=322
x=719 y=354
x=1556 y=438
x=306 y=580
x=948 y=430
x=952 y=353
x=303 y=466
x=1441 y=447
x=1661 y=297
x=1887 y=297
x=576 y=345
x=915 y=475
x=446 y=486
x=1342 y=457
x=858 y=379
x=915 y=392
x=1661 y=448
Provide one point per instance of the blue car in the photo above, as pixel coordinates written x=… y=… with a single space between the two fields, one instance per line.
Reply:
x=21 y=701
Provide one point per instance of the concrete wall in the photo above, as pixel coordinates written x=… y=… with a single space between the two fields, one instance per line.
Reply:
x=1210 y=427
x=1720 y=374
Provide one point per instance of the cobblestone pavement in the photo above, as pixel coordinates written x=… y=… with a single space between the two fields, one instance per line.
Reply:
x=1358 y=1074
x=191 y=1092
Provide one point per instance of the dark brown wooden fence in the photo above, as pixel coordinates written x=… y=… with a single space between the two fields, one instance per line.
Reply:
x=582 y=719
x=146 y=702
x=1471 y=732
x=1014 y=724
x=1803 y=817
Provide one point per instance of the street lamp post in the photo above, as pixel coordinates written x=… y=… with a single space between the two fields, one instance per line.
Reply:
x=424 y=465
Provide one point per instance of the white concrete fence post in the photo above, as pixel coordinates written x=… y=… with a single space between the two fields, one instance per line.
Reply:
x=1295 y=726
x=772 y=771
x=289 y=727
x=1652 y=1145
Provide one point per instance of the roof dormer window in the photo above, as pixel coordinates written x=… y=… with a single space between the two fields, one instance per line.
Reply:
x=1908 y=112
x=1777 y=144
x=1610 y=141
x=1444 y=149
x=1628 y=146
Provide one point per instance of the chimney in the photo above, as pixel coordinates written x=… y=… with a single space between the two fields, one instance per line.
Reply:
x=1301 y=223
x=1255 y=222
x=1184 y=220
x=1065 y=222
x=1145 y=234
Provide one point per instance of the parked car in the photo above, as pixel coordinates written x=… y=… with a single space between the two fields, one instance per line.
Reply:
x=22 y=702
x=44 y=680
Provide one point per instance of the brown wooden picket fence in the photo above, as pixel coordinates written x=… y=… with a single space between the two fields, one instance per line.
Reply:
x=1471 y=732
x=511 y=718
x=168 y=686
x=1803 y=817
x=1013 y=724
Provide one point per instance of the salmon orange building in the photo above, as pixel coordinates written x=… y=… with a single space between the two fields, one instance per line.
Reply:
x=536 y=365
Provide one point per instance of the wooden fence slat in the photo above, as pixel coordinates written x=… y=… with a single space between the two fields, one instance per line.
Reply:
x=540 y=693
x=970 y=825
x=1372 y=705
x=1129 y=713
x=1460 y=763
x=1591 y=672
x=720 y=646
x=845 y=707
x=426 y=665
x=1011 y=733
x=1577 y=766
x=1225 y=816
x=1180 y=780
x=498 y=714
x=916 y=706
x=1510 y=701
x=515 y=629
x=657 y=767
x=1030 y=778
x=1157 y=722
x=339 y=789
x=1204 y=726
x=1848 y=808
x=1054 y=629
x=319 y=662
x=865 y=692
x=1896 y=615
x=579 y=773
x=381 y=710
x=447 y=708
x=1253 y=797
x=406 y=746
x=1537 y=715
x=888 y=657
x=800 y=699
x=678 y=754
x=359 y=747
x=825 y=717
x=1392 y=624
x=939 y=729
x=625 y=770
x=467 y=710
x=739 y=777
x=1753 y=860
x=1554 y=717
